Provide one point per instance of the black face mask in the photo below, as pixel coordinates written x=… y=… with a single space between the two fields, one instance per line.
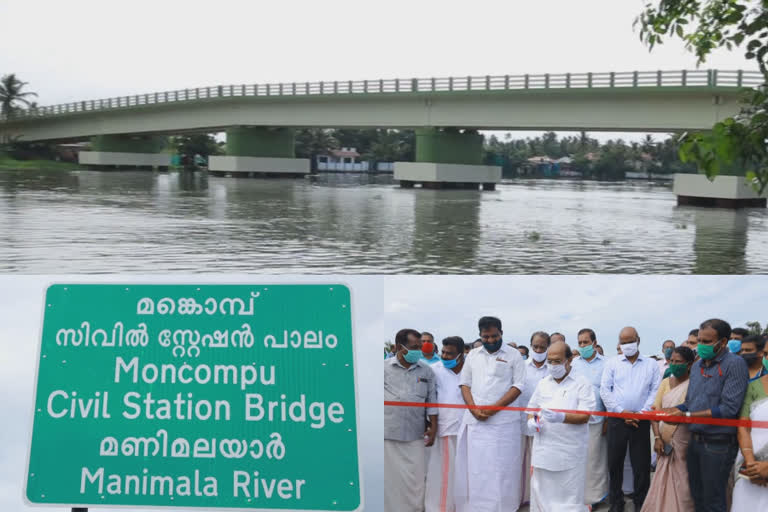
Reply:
x=750 y=358
x=493 y=347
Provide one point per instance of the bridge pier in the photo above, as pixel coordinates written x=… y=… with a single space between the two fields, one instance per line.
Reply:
x=126 y=151
x=448 y=158
x=724 y=192
x=259 y=151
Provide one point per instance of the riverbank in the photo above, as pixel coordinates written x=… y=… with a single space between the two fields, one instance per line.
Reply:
x=9 y=164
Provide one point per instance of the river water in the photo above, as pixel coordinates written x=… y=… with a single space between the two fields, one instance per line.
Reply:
x=144 y=222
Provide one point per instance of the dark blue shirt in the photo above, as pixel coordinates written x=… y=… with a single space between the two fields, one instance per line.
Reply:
x=719 y=385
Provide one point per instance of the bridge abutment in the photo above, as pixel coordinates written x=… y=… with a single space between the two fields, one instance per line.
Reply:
x=126 y=151
x=448 y=158
x=724 y=192
x=257 y=150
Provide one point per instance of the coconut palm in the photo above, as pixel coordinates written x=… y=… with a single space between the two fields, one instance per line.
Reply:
x=11 y=93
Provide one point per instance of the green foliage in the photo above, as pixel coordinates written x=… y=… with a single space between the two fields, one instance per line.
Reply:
x=756 y=328
x=610 y=160
x=706 y=25
x=202 y=144
x=11 y=95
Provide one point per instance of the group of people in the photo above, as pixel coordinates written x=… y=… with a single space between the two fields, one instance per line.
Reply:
x=554 y=426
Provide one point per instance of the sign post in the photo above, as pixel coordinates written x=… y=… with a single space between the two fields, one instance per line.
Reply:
x=214 y=396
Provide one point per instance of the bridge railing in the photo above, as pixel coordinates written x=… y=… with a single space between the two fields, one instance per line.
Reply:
x=681 y=78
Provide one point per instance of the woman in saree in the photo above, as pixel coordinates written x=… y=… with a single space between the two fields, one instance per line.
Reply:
x=750 y=491
x=669 y=491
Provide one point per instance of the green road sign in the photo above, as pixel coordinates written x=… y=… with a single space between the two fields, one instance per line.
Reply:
x=218 y=396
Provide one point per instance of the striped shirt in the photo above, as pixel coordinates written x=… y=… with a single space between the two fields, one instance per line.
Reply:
x=719 y=386
x=401 y=384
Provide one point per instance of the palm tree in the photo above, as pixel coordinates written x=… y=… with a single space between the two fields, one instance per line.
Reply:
x=10 y=93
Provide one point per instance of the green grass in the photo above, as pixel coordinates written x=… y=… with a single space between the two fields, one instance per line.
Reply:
x=8 y=163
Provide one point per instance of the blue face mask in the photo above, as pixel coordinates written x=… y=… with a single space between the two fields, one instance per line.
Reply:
x=586 y=352
x=450 y=363
x=668 y=353
x=734 y=346
x=413 y=356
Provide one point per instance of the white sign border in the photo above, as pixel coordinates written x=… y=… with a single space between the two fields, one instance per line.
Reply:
x=361 y=505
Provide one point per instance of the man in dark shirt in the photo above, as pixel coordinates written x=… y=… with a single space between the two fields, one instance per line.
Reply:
x=718 y=382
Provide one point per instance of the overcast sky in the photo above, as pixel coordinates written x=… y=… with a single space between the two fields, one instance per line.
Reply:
x=660 y=307
x=88 y=49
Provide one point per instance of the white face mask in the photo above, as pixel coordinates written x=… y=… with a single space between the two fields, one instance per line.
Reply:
x=539 y=358
x=557 y=371
x=629 y=349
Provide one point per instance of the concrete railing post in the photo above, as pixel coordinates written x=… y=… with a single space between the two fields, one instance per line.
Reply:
x=634 y=78
x=450 y=83
x=567 y=80
x=414 y=85
x=684 y=78
x=612 y=79
x=546 y=80
x=506 y=82
x=487 y=82
x=658 y=78
x=527 y=80
x=589 y=80
x=739 y=78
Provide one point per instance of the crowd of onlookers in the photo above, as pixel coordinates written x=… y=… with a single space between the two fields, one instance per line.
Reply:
x=471 y=448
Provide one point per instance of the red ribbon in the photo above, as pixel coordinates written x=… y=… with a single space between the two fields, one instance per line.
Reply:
x=651 y=415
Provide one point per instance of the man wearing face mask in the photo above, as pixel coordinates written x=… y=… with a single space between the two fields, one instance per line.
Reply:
x=487 y=459
x=591 y=365
x=666 y=349
x=717 y=386
x=407 y=378
x=737 y=335
x=560 y=439
x=440 y=468
x=629 y=385
x=752 y=352
x=535 y=369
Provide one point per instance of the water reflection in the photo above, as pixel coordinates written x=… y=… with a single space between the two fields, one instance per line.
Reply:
x=721 y=241
x=86 y=221
x=446 y=231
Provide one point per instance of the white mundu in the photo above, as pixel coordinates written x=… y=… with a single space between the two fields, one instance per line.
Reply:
x=488 y=463
x=441 y=463
x=560 y=449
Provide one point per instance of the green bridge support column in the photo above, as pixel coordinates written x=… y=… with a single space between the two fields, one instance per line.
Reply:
x=448 y=158
x=127 y=151
x=259 y=150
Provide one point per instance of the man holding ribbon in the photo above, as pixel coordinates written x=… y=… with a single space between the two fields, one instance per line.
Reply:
x=629 y=385
x=717 y=386
x=488 y=458
x=560 y=439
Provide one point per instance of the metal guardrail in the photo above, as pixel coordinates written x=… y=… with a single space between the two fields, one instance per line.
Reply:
x=680 y=78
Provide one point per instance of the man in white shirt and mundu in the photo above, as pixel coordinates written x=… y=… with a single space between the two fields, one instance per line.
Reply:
x=440 y=467
x=488 y=456
x=560 y=439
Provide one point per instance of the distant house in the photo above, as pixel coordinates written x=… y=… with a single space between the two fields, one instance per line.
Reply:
x=341 y=160
x=549 y=167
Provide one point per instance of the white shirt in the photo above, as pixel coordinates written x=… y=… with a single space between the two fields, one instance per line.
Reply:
x=561 y=446
x=448 y=392
x=490 y=376
x=627 y=386
x=532 y=377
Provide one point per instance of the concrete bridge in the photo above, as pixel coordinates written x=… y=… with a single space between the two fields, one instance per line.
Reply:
x=446 y=113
